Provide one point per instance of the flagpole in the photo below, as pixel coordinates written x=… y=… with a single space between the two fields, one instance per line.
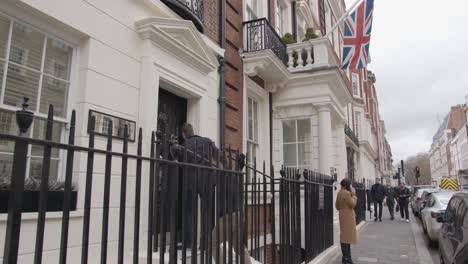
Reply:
x=345 y=15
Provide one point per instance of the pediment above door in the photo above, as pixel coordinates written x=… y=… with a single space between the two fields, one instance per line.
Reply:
x=181 y=39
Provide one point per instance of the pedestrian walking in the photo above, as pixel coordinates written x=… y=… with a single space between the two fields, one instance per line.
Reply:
x=378 y=195
x=403 y=195
x=390 y=195
x=345 y=203
x=202 y=151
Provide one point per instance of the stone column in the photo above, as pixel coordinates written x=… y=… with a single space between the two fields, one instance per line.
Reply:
x=325 y=139
x=342 y=156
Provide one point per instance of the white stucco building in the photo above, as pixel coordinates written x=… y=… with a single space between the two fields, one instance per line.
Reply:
x=112 y=57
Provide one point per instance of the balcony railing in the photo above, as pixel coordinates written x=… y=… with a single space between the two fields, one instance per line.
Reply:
x=260 y=35
x=189 y=10
x=350 y=133
x=310 y=54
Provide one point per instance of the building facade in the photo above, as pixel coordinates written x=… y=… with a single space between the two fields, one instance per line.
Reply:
x=447 y=142
x=459 y=149
x=369 y=154
x=222 y=66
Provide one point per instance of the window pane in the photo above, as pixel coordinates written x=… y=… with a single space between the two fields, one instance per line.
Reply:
x=26 y=46
x=4 y=32
x=6 y=163
x=2 y=70
x=53 y=92
x=21 y=83
x=39 y=132
x=7 y=126
x=255 y=120
x=289 y=131
x=289 y=155
x=250 y=120
x=35 y=170
x=251 y=152
x=303 y=130
x=305 y=154
x=58 y=58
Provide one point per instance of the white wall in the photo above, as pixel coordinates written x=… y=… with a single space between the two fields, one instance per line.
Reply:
x=119 y=74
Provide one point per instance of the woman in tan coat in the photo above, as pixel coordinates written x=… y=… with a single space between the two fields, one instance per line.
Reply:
x=345 y=204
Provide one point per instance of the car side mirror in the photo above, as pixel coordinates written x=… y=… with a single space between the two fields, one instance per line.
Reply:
x=441 y=218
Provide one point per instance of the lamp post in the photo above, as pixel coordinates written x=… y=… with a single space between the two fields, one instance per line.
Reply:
x=24 y=119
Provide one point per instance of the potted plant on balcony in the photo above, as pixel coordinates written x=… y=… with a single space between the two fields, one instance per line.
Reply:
x=55 y=195
x=310 y=34
x=288 y=39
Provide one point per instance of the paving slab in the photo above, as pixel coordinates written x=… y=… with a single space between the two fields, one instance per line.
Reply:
x=387 y=242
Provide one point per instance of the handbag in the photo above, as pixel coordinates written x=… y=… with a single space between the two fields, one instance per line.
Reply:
x=397 y=208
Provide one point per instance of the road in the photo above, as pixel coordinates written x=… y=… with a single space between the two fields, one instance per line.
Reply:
x=433 y=251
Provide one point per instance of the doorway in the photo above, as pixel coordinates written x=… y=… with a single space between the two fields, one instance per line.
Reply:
x=172 y=114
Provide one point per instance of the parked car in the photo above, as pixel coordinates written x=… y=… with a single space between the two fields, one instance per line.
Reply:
x=435 y=206
x=453 y=237
x=417 y=197
x=421 y=204
x=414 y=188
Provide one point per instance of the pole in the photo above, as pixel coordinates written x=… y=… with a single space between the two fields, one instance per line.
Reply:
x=343 y=17
x=399 y=176
x=403 y=170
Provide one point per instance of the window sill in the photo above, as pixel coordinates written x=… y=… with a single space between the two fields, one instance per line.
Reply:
x=49 y=216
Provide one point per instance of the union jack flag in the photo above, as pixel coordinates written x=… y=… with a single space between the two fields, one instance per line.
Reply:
x=357 y=32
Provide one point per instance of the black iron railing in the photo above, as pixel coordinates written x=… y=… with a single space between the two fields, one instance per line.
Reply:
x=189 y=9
x=260 y=35
x=312 y=193
x=361 y=205
x=350 y=133
x=201 y=206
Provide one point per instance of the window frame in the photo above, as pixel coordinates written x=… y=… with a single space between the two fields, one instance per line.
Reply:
x=297 y=143
x=357 y=89
x=279 y=18
x=252 y=11
x=357 y=124
x=60 y=120
x=254 y=141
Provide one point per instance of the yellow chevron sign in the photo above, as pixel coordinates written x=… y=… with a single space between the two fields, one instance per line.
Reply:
x=449 y=184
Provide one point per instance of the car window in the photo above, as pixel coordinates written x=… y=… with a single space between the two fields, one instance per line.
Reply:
x=451 y=208
x=460 y=214
x=432 y=201
x=465 y=217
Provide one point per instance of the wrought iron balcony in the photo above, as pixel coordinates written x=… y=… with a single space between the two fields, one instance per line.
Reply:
x=350 y=133
x=189 y=10
x=260 y=35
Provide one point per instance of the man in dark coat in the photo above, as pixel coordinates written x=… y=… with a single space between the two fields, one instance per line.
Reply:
x=391 y=197
x=202 y=151
x=378 y=195
x=403 y=195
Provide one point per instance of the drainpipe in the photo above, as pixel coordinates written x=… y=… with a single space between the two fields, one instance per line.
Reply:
x=269 y=10
x=294 y=20
x=270 y=110
x=222 y=76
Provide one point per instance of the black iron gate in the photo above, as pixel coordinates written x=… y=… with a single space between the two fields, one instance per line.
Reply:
x=223 y=215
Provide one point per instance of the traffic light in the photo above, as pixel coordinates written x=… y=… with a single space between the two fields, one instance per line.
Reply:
x=417 y=172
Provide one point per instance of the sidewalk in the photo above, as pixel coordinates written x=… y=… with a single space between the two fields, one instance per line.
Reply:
x=386 y=242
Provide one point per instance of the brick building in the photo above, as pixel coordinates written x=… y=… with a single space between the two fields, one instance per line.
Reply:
x=445 y=144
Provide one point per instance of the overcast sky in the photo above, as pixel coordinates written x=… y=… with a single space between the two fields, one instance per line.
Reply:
x=419 y=51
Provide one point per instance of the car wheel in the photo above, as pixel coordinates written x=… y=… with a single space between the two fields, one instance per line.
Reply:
x=424 y=228
x=432 y=243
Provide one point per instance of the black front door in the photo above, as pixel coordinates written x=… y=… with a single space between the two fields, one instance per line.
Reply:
x=172 y=114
